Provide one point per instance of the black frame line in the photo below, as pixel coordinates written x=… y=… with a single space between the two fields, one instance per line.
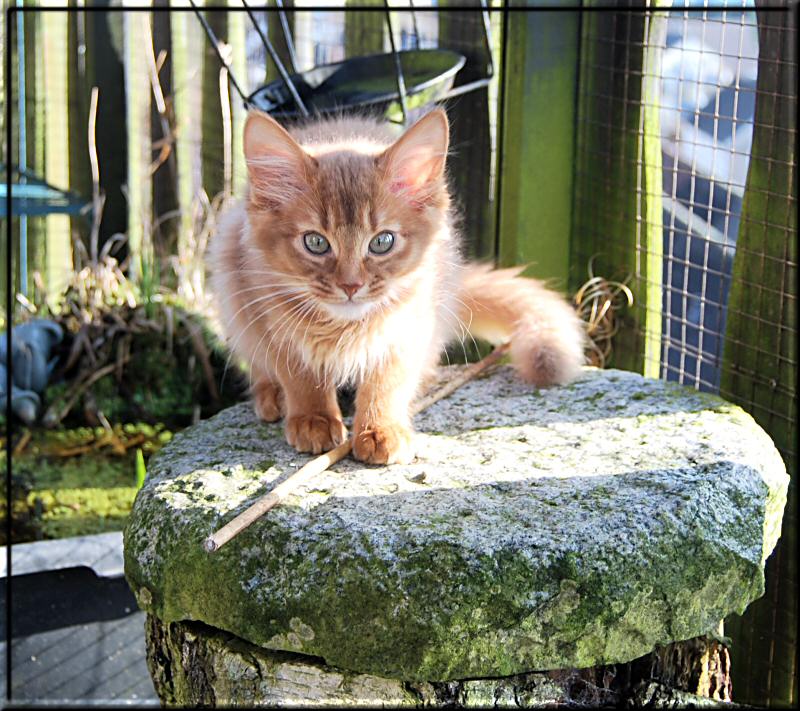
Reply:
x=10 y=15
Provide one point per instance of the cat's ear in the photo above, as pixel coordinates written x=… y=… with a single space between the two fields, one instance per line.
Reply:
x=278 y=167
x=414 y=164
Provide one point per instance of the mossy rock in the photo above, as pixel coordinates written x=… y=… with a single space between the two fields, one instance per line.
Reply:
x=537 y=529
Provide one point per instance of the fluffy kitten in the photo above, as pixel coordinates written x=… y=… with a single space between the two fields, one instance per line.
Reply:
x=341 y=265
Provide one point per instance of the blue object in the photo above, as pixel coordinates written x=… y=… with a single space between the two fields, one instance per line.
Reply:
x=24 y=403
x=31 y=365
x=33 y=196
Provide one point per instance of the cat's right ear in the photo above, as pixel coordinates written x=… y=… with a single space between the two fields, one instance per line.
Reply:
x=277 y=166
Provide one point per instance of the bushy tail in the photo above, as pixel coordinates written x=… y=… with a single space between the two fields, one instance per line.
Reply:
x=547 y=337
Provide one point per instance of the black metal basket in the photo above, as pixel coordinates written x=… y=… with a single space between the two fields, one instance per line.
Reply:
x=368 y=82
x=398 y=85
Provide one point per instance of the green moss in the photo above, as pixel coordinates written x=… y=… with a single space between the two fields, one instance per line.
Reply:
x=84 y=494
x=81 y=512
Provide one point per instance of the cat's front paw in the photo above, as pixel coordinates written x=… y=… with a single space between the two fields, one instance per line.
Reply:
x=384 y=444
x=315 y=433
x=268 y=401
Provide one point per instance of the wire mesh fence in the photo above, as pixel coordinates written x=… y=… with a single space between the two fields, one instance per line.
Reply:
x=685 y=184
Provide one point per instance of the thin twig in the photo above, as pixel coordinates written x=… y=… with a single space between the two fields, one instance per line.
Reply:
x=98 y=199
x=23 y=442
x=319 y=464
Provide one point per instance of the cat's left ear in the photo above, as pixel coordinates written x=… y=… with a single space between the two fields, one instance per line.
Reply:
x=414 y=164
x=278 y=167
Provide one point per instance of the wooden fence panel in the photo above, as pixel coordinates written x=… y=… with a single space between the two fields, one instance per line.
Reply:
x=606 y=204
x=470 y=161
x=759 y=368
x=58 y=238
x=364 y=31
x=538 y=144
x=104 y=69
x=139 y=183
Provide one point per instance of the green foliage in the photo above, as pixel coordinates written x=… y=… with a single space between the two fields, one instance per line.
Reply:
x=141 y=471
x=58 y=495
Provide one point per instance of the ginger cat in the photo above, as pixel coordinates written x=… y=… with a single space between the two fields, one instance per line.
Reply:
x=342 y=265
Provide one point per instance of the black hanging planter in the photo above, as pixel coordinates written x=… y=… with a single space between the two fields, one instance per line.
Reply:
x=368 y=82
x=398 y=85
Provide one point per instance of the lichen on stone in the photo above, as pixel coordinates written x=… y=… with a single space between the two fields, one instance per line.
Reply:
x=537 y=529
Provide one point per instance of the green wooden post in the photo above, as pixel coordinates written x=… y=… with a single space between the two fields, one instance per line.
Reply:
x=80 y=176
x=165 y=178
x=538 y=142
x=5 y=38
x=364 y=31
x=275 y=33
x=211 y=109
x=139 y=185
x=3 y=47
x=185 y=101
x=58 y=249
x=759 y=369
x=470 y=162
x=237 y=31
x=35 y=110
x=651 y=236
x=105 y=69
x=607 y=204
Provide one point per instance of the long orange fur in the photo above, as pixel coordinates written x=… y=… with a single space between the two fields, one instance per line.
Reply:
x=307 y=323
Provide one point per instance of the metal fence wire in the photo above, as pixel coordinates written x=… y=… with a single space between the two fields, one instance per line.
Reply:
x=685 y=184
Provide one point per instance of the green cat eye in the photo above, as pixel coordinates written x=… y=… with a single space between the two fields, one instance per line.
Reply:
x=381 y=243
x=316 y=243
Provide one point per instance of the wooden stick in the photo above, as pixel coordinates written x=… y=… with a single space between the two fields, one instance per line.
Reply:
x=320 y=464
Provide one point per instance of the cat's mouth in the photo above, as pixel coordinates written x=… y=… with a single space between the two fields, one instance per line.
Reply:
x=349 y=310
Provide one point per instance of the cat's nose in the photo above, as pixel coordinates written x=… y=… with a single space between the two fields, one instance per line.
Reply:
x=351 y=289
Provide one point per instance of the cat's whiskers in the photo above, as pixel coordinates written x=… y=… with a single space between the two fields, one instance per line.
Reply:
x=314 y=315
x=464 y=331
x=258 y=316
x=301 y=315
x=282 y=327
x=460 y=301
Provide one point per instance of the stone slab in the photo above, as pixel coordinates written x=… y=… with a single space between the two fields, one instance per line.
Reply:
x=537 y=529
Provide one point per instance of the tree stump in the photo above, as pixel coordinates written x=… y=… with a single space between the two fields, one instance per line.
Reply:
x=567 y=545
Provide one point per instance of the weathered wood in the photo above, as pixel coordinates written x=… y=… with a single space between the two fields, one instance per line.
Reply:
x=538 y=144
x=472 y=118
x=58 y=245
x=606 y=204
x=105 y=70
x=759 y=369
x=192 y=664
x=80 y=175
x=5 y=46
x=139 y=184
x=277 y=39
x=364 y=31
x=34 y=109
x=165 y=178
x=651 y=236
x=186 y=79
x=210 y=116
x=238 y=24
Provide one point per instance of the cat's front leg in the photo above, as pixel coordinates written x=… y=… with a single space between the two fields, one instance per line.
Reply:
x=382 y=424
x=313 y=420
x=267 y=398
